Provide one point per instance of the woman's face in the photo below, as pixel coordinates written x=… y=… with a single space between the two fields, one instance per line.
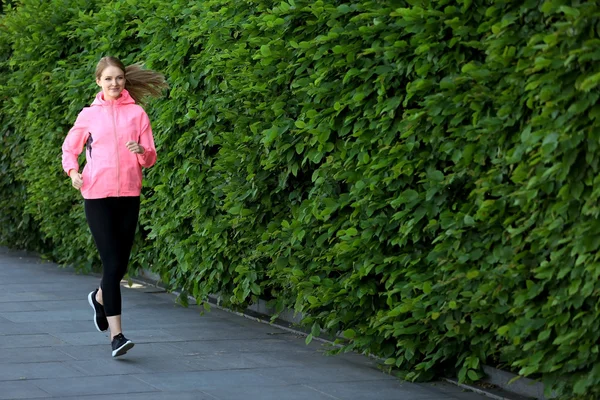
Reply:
x=112 y=82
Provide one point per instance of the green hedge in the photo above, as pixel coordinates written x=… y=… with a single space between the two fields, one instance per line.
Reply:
x=420 y=176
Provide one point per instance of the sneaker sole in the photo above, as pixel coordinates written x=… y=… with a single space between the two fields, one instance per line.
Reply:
x=123 y=349
x=94 y=308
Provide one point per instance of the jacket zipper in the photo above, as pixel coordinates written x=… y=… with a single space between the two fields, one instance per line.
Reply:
x=117 y=149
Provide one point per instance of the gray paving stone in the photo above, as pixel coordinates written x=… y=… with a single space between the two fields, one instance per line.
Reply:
x=93 y=385
x=206 y=380
x=37 y=287
x=340 y=360
x=183 y=335
x=442 y=387
x=220 y=360
x=468 y=395
x=25 y=340
x=10 y=328
x=317 y=373
x=106 y=367
x=250 y=323
x=25 y=296
x=140 y=303
x=161 y=309
x=47 y=316
x=195 y=395
x=180 y=353
x=38 y=355
x=68 y=292
x=20 y=390
x=216 y=331
x=140 y=351
x=21 y=371
x=444 y=390
x=55 y=326
x=61 y=305
x=239 y=345
x=165 y=319
x=18 y=306
x=289 y=392
x=12 y=260
x=145 y=324
x=86 y=338
x=57 y=294
x=380 y=390
x=156 y=365
x=144 y=302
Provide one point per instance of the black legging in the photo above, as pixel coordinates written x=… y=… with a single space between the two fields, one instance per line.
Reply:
x=113 y=221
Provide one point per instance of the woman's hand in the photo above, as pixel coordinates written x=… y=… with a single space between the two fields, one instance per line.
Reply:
x=134 y=147
x=76 y=179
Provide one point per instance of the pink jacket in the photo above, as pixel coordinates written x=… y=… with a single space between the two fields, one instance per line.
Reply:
x=111 y=170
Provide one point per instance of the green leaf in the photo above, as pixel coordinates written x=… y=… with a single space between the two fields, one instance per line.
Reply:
x=271 y=135
x=570 y=11
x=265 y=50
x=503 y=330
x=344 y=9
x=473 y=375
x=308 y=339
x=437 y=176
x=349 y=334
x=468 y=153
x=285 y=7
x=407 y=196
x=591 y=82
x=358 y=96
x=427 y=287
x=472 y=274
x=315 y=330
x=544 y=335
x=581 y=385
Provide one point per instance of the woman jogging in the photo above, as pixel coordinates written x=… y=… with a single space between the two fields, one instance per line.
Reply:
x=118 y=139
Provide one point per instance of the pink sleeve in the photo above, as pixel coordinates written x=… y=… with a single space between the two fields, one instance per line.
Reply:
x=73 y=144
x=148 y=158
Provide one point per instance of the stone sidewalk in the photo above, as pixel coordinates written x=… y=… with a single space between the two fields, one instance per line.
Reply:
x=49 y=348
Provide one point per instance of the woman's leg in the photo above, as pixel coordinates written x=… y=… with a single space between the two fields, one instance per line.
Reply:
x=101 y=219
x=128 y=209
x=113 y=222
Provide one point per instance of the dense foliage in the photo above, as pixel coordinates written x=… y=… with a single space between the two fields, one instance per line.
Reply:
x=421 y=176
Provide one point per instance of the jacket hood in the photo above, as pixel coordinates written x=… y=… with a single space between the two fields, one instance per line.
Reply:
x=125 y=98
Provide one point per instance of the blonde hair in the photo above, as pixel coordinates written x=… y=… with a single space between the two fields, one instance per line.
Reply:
x=140 y=83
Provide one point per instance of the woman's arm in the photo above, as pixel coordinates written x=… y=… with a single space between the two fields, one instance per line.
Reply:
x=148 y=157
x=73 y=144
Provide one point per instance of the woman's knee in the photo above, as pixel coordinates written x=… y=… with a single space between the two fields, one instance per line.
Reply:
x=112 y=280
